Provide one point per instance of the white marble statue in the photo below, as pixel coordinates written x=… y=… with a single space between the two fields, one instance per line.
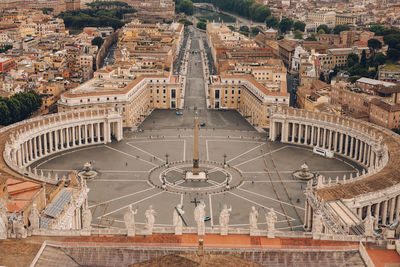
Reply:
x=253 y=218
x=369 y=225
x=150 y=215
x=271 y=220
x=3 y=219
x=34 y=217
x=86 y=219
x=224 y=219
x=129 y=219
x=177 y=220
x=199 y=214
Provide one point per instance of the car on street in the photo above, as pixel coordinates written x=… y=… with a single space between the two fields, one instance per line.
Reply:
x=202 y=124
x=207 y=218
x=178 y=112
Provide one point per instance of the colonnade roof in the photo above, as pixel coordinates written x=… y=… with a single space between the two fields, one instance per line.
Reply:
x=385 y=178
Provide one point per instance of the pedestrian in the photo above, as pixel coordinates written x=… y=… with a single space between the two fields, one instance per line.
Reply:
x=126 y=163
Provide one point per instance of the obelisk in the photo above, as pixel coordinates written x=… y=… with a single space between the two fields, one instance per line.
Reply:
x=196 y=144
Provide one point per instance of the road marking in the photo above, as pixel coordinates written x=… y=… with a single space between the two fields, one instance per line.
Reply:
x=124 y=207
x=277 y=181
x=184 y=150
x=250 y=192
x=208 y=156
x=181 y=199
x=132 y=156
x=247 y=161
x=245 y=153
x=111 y=171
x=258 y=204
x=211 y=212
x=145 y=152
x=121 y=197
x=66 y=153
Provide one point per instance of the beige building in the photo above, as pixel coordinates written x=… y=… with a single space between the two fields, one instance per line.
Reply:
x=117 y=88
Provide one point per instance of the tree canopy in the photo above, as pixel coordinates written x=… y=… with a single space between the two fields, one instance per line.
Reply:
x=18 y=107
x=97 y=41
x=185 y=6
x=285 y=25
x=325 y=28
x=272 y=22
x=341 y=27
x=299 y=25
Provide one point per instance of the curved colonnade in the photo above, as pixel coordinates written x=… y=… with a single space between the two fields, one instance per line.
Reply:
x=375 y=191
x=31 y=140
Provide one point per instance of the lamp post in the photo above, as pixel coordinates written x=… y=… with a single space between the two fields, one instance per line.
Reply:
x=166 y=158
x=224 y=159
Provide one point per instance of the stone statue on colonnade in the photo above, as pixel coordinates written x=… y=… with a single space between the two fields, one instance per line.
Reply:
x=224 y=219
x=199 y=214
x=177 y=219
x=150 y=215
x=34 y=217
x=271 y=220
x=253 y=219
x=3 y=219
x=129 y=219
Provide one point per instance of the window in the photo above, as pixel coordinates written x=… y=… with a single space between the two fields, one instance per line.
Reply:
x=233 y=92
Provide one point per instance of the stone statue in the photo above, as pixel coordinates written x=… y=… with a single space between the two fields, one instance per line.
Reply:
x=317 y=224
x=129 y=219
x=86 y=219
x=224 y=219
x=177 y=219
x=3 y=219
x=271 y=220
x=150 y=215
x=34 y=217
x=199 y=214
x=253 y=218
x=369 y=225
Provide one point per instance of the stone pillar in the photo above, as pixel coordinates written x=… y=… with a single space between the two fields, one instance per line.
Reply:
x=91 y=133
x=357 y=149
x=45 y=144
x=318 y=136
x=293 y=129
x=324 y=138
x=306 y=134
x=67 y=137
x=365 y=153
x=73 y=136
x=351 y=146
x=85 y=133
x=56 y=140
x=40 y=145
x=312 y=135
x=336 y=142
x=62 y=138
x=51 y=143
x=30 y=149
x=26 y=153
x=19 y=156
x=359 y=212
x=98 y=132
x=384 y=212
x=79 y=135
x=391 y=211
x=377 y=211
x=341 y=143
x=300 y=133
x=397 y=207
x=330 y=140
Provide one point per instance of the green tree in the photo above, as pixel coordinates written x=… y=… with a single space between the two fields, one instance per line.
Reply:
x=5 y=113
x=255 y=31
x=201 y=25
x=98 y=41
x=393 y=54
x=324 y=27
x=380 y=59
x=244 y=29
x=341 y=27
x=377 y=29
x=352 y=59
x=272 y=22
x=298 y=34
x=363 y=61
x=311 y=37
x=185 y=6
x=285 y=25
x=231 y=28
x=299 y=25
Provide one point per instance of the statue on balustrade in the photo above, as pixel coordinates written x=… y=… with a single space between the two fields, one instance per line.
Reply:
x=271 y=220
x=177 y=219
x=224 y=219
x=253 y=219
x=199 y=214
x=34 y=217
x=3 y=219
x=150 y=215
x=129 y=219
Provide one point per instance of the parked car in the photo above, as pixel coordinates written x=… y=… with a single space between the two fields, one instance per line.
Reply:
x=178 y=113
x=207 y=218
x=202 y=124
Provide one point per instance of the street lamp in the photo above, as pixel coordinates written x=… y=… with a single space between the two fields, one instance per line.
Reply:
x=224 y=159
x=166 y=158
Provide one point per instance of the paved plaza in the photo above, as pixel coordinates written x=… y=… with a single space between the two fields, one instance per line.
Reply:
x=261 y=171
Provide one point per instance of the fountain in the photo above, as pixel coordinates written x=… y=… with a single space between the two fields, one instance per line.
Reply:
x=87 y=172
x=304 y=173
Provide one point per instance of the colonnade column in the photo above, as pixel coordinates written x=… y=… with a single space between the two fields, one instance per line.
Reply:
x=384 y=212
x=293 y=129
x=330 y=140
x=34 y=147
x=45 y=144
x=99 y=134
x=377 y=211
x=306 y=134
x=40 y=145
